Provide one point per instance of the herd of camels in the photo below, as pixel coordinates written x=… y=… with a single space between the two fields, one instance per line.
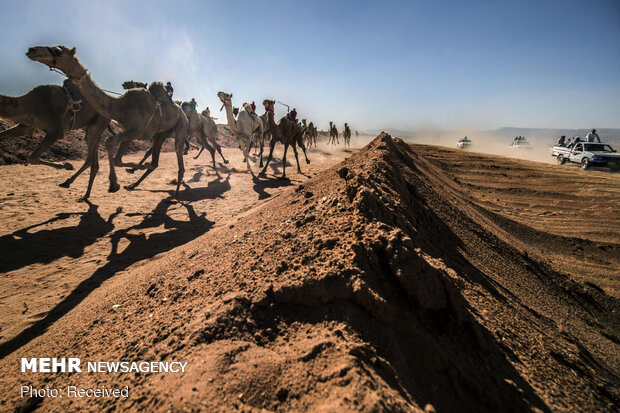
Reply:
x=144 y=113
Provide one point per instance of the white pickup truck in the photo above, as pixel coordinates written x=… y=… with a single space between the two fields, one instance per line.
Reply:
x=463 y=143
x=588 y=154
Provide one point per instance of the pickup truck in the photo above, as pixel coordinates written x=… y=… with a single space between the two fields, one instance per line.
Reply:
x=463 y=143
x=588 y=154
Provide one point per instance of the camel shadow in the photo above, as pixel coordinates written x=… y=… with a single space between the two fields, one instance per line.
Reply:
x=270 y=183
x=214 y=189
x=48 y=245
x=141 y=247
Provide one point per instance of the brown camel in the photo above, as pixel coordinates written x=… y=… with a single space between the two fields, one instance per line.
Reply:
x=143 y=114
x=204 y=130
x=201 y=127
x=132 y=84
x=312 y=134
x=286 y=132
x=346 y=134
x=56 y=110
x=333 y=134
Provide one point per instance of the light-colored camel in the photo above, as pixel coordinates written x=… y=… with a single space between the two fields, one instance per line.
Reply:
x=143 y=114
x=333 y=134
x=243 y=127
x=286 y=132
x=346 y=134
x=56 y=110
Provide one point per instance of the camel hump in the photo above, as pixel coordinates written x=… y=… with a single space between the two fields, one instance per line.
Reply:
x=158 y=90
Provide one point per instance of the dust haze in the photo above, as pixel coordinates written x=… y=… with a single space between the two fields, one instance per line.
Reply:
x=539 y=148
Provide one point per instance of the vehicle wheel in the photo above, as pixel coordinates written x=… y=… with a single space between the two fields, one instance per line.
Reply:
x=561 y=159
x=585 y=163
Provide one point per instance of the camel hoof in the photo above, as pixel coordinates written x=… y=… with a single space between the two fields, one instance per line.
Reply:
x=68 y=166
x=82 y=199
x=129 y=187
x=114 y=188
x=225 y=161
x=308 y=161
x=65 y=184
x=130 y=170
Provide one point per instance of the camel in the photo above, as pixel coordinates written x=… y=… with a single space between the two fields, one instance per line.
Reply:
x=309 y=132
x=56 y=110
x=204 y=129
x=201 y=127
x=346 y=134
x=143 y=114
x=333 y=134
x=131 y=84
x=286 y=132
x=312 y=134
x=243 y=126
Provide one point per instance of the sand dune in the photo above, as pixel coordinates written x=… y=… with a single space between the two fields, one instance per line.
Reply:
x=406 y=278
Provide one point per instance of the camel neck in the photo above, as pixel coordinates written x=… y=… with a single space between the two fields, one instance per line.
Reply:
x=102 y=102
x=272 y=124
x=232 y=123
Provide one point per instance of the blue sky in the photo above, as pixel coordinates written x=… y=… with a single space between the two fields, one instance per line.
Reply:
x=377 y=64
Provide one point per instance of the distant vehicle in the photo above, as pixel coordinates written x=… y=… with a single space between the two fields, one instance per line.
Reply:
x=463 y=143
x=520 y=142
x=588 y=154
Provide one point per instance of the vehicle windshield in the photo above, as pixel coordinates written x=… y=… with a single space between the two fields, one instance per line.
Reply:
x=598 y=147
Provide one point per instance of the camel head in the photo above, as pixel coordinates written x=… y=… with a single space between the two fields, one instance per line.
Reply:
x=269 y=105
x=226 y=99
x=58 y=57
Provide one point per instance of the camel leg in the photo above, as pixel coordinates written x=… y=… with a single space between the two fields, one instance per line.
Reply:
x=272 y=145
x=218 y=148
x=50 y=138
x=205 y=145
x=158 y=141
x=93 y=136
x=296 y=157
x=110 y=144
x=144 y=158
x=303 y=148
x=179 y=150
x=16 y=131
x=284 y=161
x=260 y=152
x=199 y=152
x=246 y=153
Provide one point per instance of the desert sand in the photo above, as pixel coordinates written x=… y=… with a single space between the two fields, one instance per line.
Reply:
x=392 y=278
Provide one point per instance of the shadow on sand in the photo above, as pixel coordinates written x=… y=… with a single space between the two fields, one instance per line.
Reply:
x=141 y=247
x=24 y=247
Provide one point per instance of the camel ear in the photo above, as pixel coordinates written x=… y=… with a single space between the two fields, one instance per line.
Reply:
x=72 y=51
x=231 y=95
